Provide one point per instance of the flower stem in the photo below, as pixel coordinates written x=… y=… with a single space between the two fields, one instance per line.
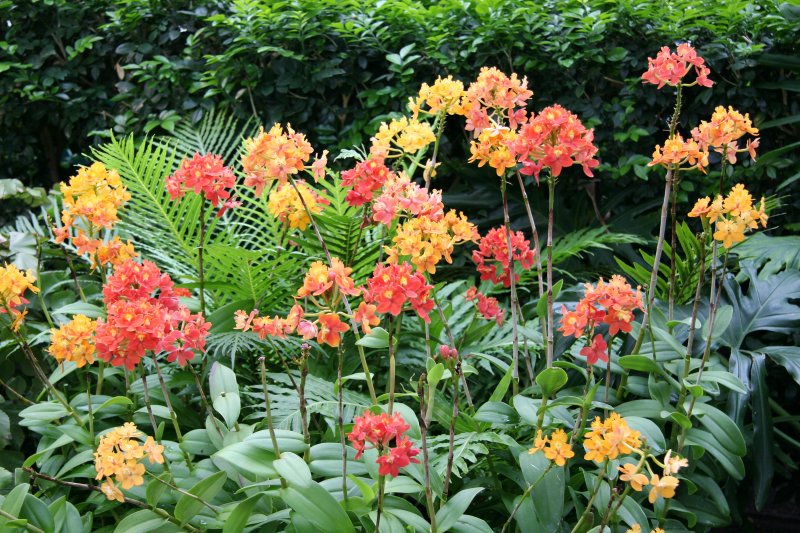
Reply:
x=200 y=248
x=514 y=300
x=173 y=416
x=204 y=399
x=551 y=187
x=424 y=421
x=345 y=300
x=268 y=413
x=451 y=442
x=525 y=495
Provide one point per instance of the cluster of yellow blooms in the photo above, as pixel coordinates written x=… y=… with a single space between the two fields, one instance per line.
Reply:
x=119 y=456
x=92 y=200
x=285 y=204
x=444 y=96
x=610 y=438
x=13 y=284
x=426 y=241
x=409 y=136
x=638 y=529
x=663 y=486
x=74 y=341
x=731 y=215
x=494 y=147
x=556 y=447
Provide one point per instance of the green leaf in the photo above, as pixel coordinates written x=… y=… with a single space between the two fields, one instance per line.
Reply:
x=641 y=363
x=551 y=380
x=497 y=413
x=435 y=374
x=541 y=305
x=145 y=521
x=721 y=322
x=237 y=520
x=730 y=462
x=455 y=508
x=308 y=499
x=155 y=489
x=14 y=500
x=502 y=386
x=206 y=490
x=650 y=431
x=719 y=424
x=225 y=393
x=763 y=441
x=377 y=338
x=548 y=495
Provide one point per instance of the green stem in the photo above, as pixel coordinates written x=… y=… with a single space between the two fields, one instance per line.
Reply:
x=585 y=514
x=100 y=375
x=362 y=356
x=451 y=441
x=205 y=401
x=514 y=299
x=173 y=416
x=28 y=527
x=268 y=413
x=525 y=495
x=551 y=190
x=200 y=248
x=425 y=420
x=391 y=367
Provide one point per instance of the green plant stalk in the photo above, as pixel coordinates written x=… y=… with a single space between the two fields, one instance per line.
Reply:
x=345 y=300
x=542 y=411
x=672 y=245
x=381 y=487
x=340 y=421
x=200 y=249
x=149 y=408
x=268 y=413
x=430 y=168
x=525 y=495
x=131 y=501
x=608 y=371
x=424 y=412
x=687 y=362
x=551 y=195
x=391 y=368
x=173 y=416
x=534 y=233
x=612 y=511
x=712 y=315
x=181 y=491
x=19 y=396
x=26 y=349
x=514 y=299
x=204 y=399
x=101 y=367
x=38 y=277
x=651 y=290
x=451 y=442
x=303 y=406
x=89 y=408
x=588 y=509
x=443 y=318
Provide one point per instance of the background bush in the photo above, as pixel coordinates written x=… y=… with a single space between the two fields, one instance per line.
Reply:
x=73 y=70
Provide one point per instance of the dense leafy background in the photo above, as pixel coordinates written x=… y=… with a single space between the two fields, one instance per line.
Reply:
x=73 y=70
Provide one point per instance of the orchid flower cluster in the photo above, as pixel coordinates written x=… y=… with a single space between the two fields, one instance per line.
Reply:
x=206 y=175
x=612 y=304
x=732 y=215
x=371 y=431
x=92 y=200
x=13 y=285
x=145 y=314
x=119 y=459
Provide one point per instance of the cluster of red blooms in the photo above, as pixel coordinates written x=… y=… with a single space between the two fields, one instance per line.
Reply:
x=669 y=68
x=144 y=313
x=378 y=431
x=205 y=174
x=493 y=94
x=322 y=285
x=555 y=139
x=401 y=194
x=391 y=286
x=493 y=251
x=488 y=306
x=366 y=178
x=611 y=303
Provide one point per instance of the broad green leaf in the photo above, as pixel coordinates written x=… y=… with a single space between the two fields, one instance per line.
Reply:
x=377 y=338
x=730 y=462
x=551 y=380
x=145 y=521
x=225 y=393
x=238 y=518
x=206 y=490
x=455 y=508
x=719 y=424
